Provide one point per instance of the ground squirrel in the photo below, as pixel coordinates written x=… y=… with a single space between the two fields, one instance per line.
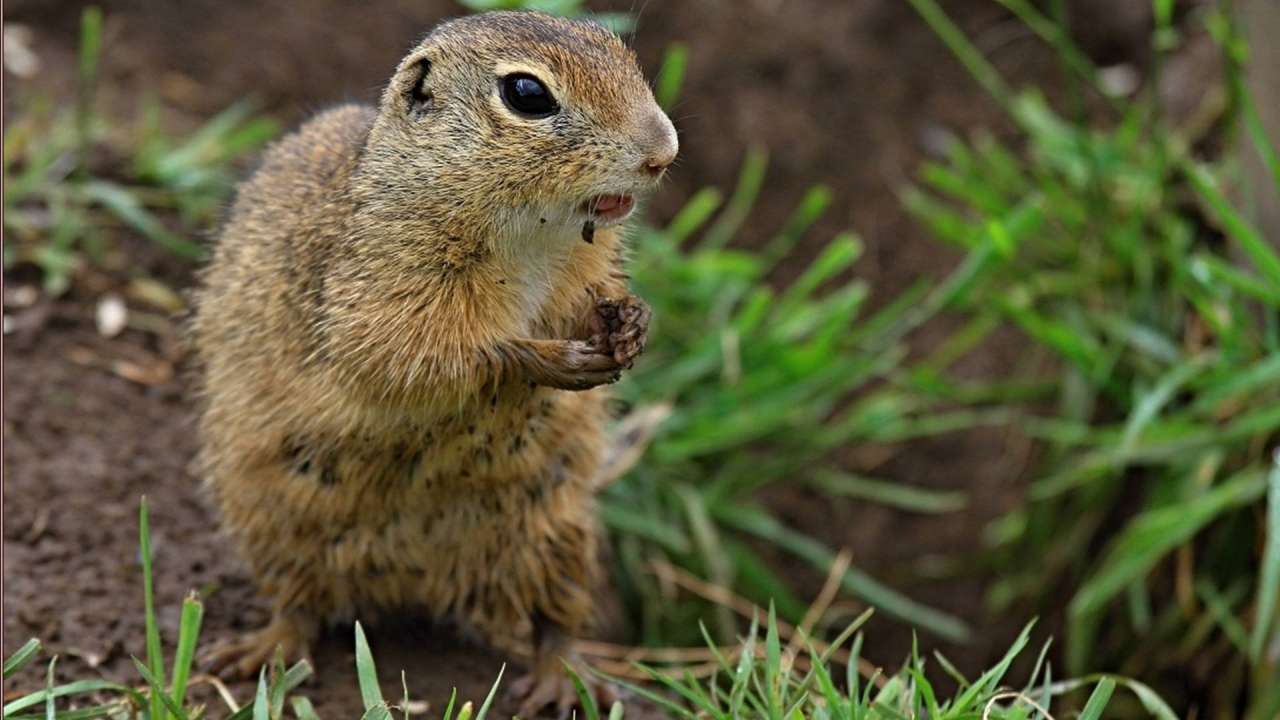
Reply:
x=402 y=334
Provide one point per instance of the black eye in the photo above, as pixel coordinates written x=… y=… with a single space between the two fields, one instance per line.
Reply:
x=526 y=95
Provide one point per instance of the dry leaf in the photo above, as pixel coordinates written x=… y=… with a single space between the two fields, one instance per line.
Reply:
x=155 y=293
x=153 y=373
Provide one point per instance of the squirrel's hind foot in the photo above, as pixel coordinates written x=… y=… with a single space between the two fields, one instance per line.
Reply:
x=244 y=656
x=549 y=686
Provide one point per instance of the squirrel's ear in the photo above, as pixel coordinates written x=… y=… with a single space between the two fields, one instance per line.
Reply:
x=415 y=87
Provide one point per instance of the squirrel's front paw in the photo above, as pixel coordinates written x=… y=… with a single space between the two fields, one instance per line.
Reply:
x=622 y=326
x=574 y=365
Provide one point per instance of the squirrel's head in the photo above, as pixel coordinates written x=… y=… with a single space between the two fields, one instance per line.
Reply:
x=531 y=117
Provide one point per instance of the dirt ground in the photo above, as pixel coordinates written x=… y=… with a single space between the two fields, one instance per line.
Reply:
x=851 y=94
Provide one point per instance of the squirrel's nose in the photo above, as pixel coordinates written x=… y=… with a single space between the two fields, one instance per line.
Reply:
x=662 y=145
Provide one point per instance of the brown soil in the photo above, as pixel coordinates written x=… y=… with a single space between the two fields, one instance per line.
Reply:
x=849 y=94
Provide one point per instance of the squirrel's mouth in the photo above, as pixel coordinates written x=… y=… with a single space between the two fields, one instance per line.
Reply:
x=603 y=209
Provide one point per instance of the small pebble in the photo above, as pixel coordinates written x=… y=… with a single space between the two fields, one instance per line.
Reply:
x=112 y=315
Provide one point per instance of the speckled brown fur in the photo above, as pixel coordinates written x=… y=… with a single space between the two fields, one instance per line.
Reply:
x=396 y=334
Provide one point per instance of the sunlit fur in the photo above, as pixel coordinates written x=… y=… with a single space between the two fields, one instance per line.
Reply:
x=370 y=433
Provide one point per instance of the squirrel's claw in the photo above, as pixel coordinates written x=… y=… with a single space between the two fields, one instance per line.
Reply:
x=244 y=656
x=548 y=687
x=625 y=324
x=591 y=366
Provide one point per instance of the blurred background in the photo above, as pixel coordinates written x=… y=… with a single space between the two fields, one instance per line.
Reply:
x=967 y=311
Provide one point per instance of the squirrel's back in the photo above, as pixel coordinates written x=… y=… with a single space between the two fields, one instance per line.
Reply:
x=287 y=218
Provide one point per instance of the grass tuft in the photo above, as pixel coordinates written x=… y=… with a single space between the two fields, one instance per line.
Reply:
x=763 y=679
x=1150 y=299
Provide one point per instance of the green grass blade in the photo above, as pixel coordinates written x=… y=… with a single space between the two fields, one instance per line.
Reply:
x=261 y=700
x=838 y=256
x=1269 y=583
x=892 y=494
x=184 y=656
x=21 y=657
x=1155 y=533
x=155 y=655
x=1244 y=381
x=1140 y=337
x=952 y=671
x=225 y=135
x=688 y=691
x=759 y=580
x=746 y=662
x=157 y=692
x=81 y=687
x=1098 y=700
x=622 y=517
x=1151 y=403
x=112 y=711
x=925 y=689
x=656 y=698
x=122 y=203
x=1217 y=270
x=126 y=206
x=367 y=676
x=303 y=708
x=297 y=675
x=1263 y=256
x=693 y=215
x=87 y=82
x=964 y=50
x=671 y=75
x=990 y=679
x=756 y=522
x=1059 y=37
x=493 y=692
x=585 y=698
x=1148 y=698
x=721 y=660
x=706 y=539
x=448 y=709
x=772 y=662
x=276 y=685
x=49 y=708
x=90 y=44
x=1265 y=147
x=812 y=206
x=1218 y=607
x=750 y=180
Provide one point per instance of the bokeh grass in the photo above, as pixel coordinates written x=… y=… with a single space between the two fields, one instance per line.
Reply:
x=1120 y=255
x=75 y=180
x=765 y=679
x=763 y=383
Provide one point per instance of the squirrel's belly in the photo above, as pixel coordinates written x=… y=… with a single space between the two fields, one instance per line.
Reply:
x=428 y=518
